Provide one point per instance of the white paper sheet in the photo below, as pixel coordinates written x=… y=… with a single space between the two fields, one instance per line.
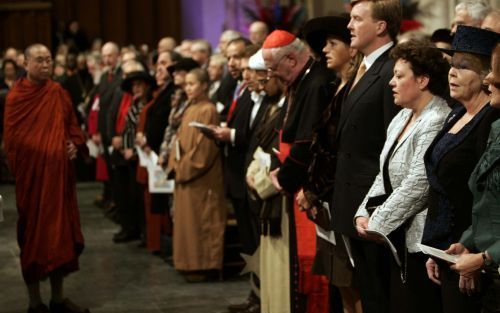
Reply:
x=158 y=182
x=440 y=254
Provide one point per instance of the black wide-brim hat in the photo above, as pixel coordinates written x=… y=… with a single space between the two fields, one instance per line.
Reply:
x=184 y=64
x=137 y=75
x=473 y=40
x=442 y=35
x=317 y=30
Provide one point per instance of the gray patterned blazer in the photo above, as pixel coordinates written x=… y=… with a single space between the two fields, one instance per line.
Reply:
x=406 y=172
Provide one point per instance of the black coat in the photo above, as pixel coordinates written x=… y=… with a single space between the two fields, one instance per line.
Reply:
x=106 y=91
x=256 y=129
x=312 y=92
x=366 y=113
x=157 y=117
x=225 y=94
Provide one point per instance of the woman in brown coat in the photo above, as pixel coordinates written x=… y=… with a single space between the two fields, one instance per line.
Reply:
x=199 y=207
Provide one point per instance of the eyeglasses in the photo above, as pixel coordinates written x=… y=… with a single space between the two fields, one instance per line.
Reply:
x=275 y=67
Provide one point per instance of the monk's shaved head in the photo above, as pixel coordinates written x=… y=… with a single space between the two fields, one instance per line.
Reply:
x=34 y=47
x=38 y=63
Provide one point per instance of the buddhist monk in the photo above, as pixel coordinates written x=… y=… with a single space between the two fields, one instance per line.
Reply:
x=41 y=138
x=199 y=208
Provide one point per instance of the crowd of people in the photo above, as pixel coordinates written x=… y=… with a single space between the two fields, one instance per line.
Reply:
x=345 y=153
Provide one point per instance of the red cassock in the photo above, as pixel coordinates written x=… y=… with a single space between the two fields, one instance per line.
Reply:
x=314 y=286
x=39 y=119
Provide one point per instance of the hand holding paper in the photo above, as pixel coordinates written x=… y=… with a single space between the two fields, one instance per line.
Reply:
x=207 y=130
x=440 y=254
x=379 y=237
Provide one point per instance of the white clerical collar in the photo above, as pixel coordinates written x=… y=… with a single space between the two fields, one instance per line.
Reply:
x=372 y=57
x=257 y=97
x=281 y=102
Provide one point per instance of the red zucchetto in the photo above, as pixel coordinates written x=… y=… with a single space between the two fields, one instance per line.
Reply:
x=277 y=39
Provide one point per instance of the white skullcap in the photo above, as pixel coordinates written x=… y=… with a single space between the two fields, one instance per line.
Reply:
x=256 y=62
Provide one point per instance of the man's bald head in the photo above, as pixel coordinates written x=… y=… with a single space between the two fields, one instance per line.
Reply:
x=29 y=51
x=258 y=32
x=225 y=38
x=110 y=53
x=166 y=44
x=38 y=63
x=10 y=54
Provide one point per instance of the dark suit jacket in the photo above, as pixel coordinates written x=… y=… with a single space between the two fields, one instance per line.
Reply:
x=366 y=113
x=225 y=94
x=113 y=109
x=106 y=91
x=312 y=94
x=256 y=128
x=235 y=155
x=157 y=117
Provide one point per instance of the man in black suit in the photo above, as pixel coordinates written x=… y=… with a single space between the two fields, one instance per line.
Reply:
x=109 y=82
x=235 y=136
x=367 y=110
x=102 y=98
x=225 y=94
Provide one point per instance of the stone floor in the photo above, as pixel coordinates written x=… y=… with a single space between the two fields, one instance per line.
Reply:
x=113 y=278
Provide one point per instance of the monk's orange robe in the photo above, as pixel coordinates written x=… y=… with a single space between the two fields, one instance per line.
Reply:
x=39 y=119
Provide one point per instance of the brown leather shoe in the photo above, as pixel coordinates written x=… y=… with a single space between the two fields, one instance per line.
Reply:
x=67 y=306
x=42 y=308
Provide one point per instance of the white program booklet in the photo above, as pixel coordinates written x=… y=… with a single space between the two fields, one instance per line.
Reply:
x=158 y=180
x=440 y=254
x=387 y=242
x=199 y=125
x=323 y=233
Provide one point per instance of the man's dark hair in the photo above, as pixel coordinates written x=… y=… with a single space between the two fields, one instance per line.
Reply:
x=174 y=56
x=250 y=50
x=246 y=42
x=389 y=11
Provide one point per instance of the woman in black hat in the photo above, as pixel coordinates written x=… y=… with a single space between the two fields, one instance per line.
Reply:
x=482 y=239
x=138 y=84
x=329 y=38
x=451 y=159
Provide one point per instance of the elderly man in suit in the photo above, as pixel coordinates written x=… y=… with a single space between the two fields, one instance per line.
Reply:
x=367 y=110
